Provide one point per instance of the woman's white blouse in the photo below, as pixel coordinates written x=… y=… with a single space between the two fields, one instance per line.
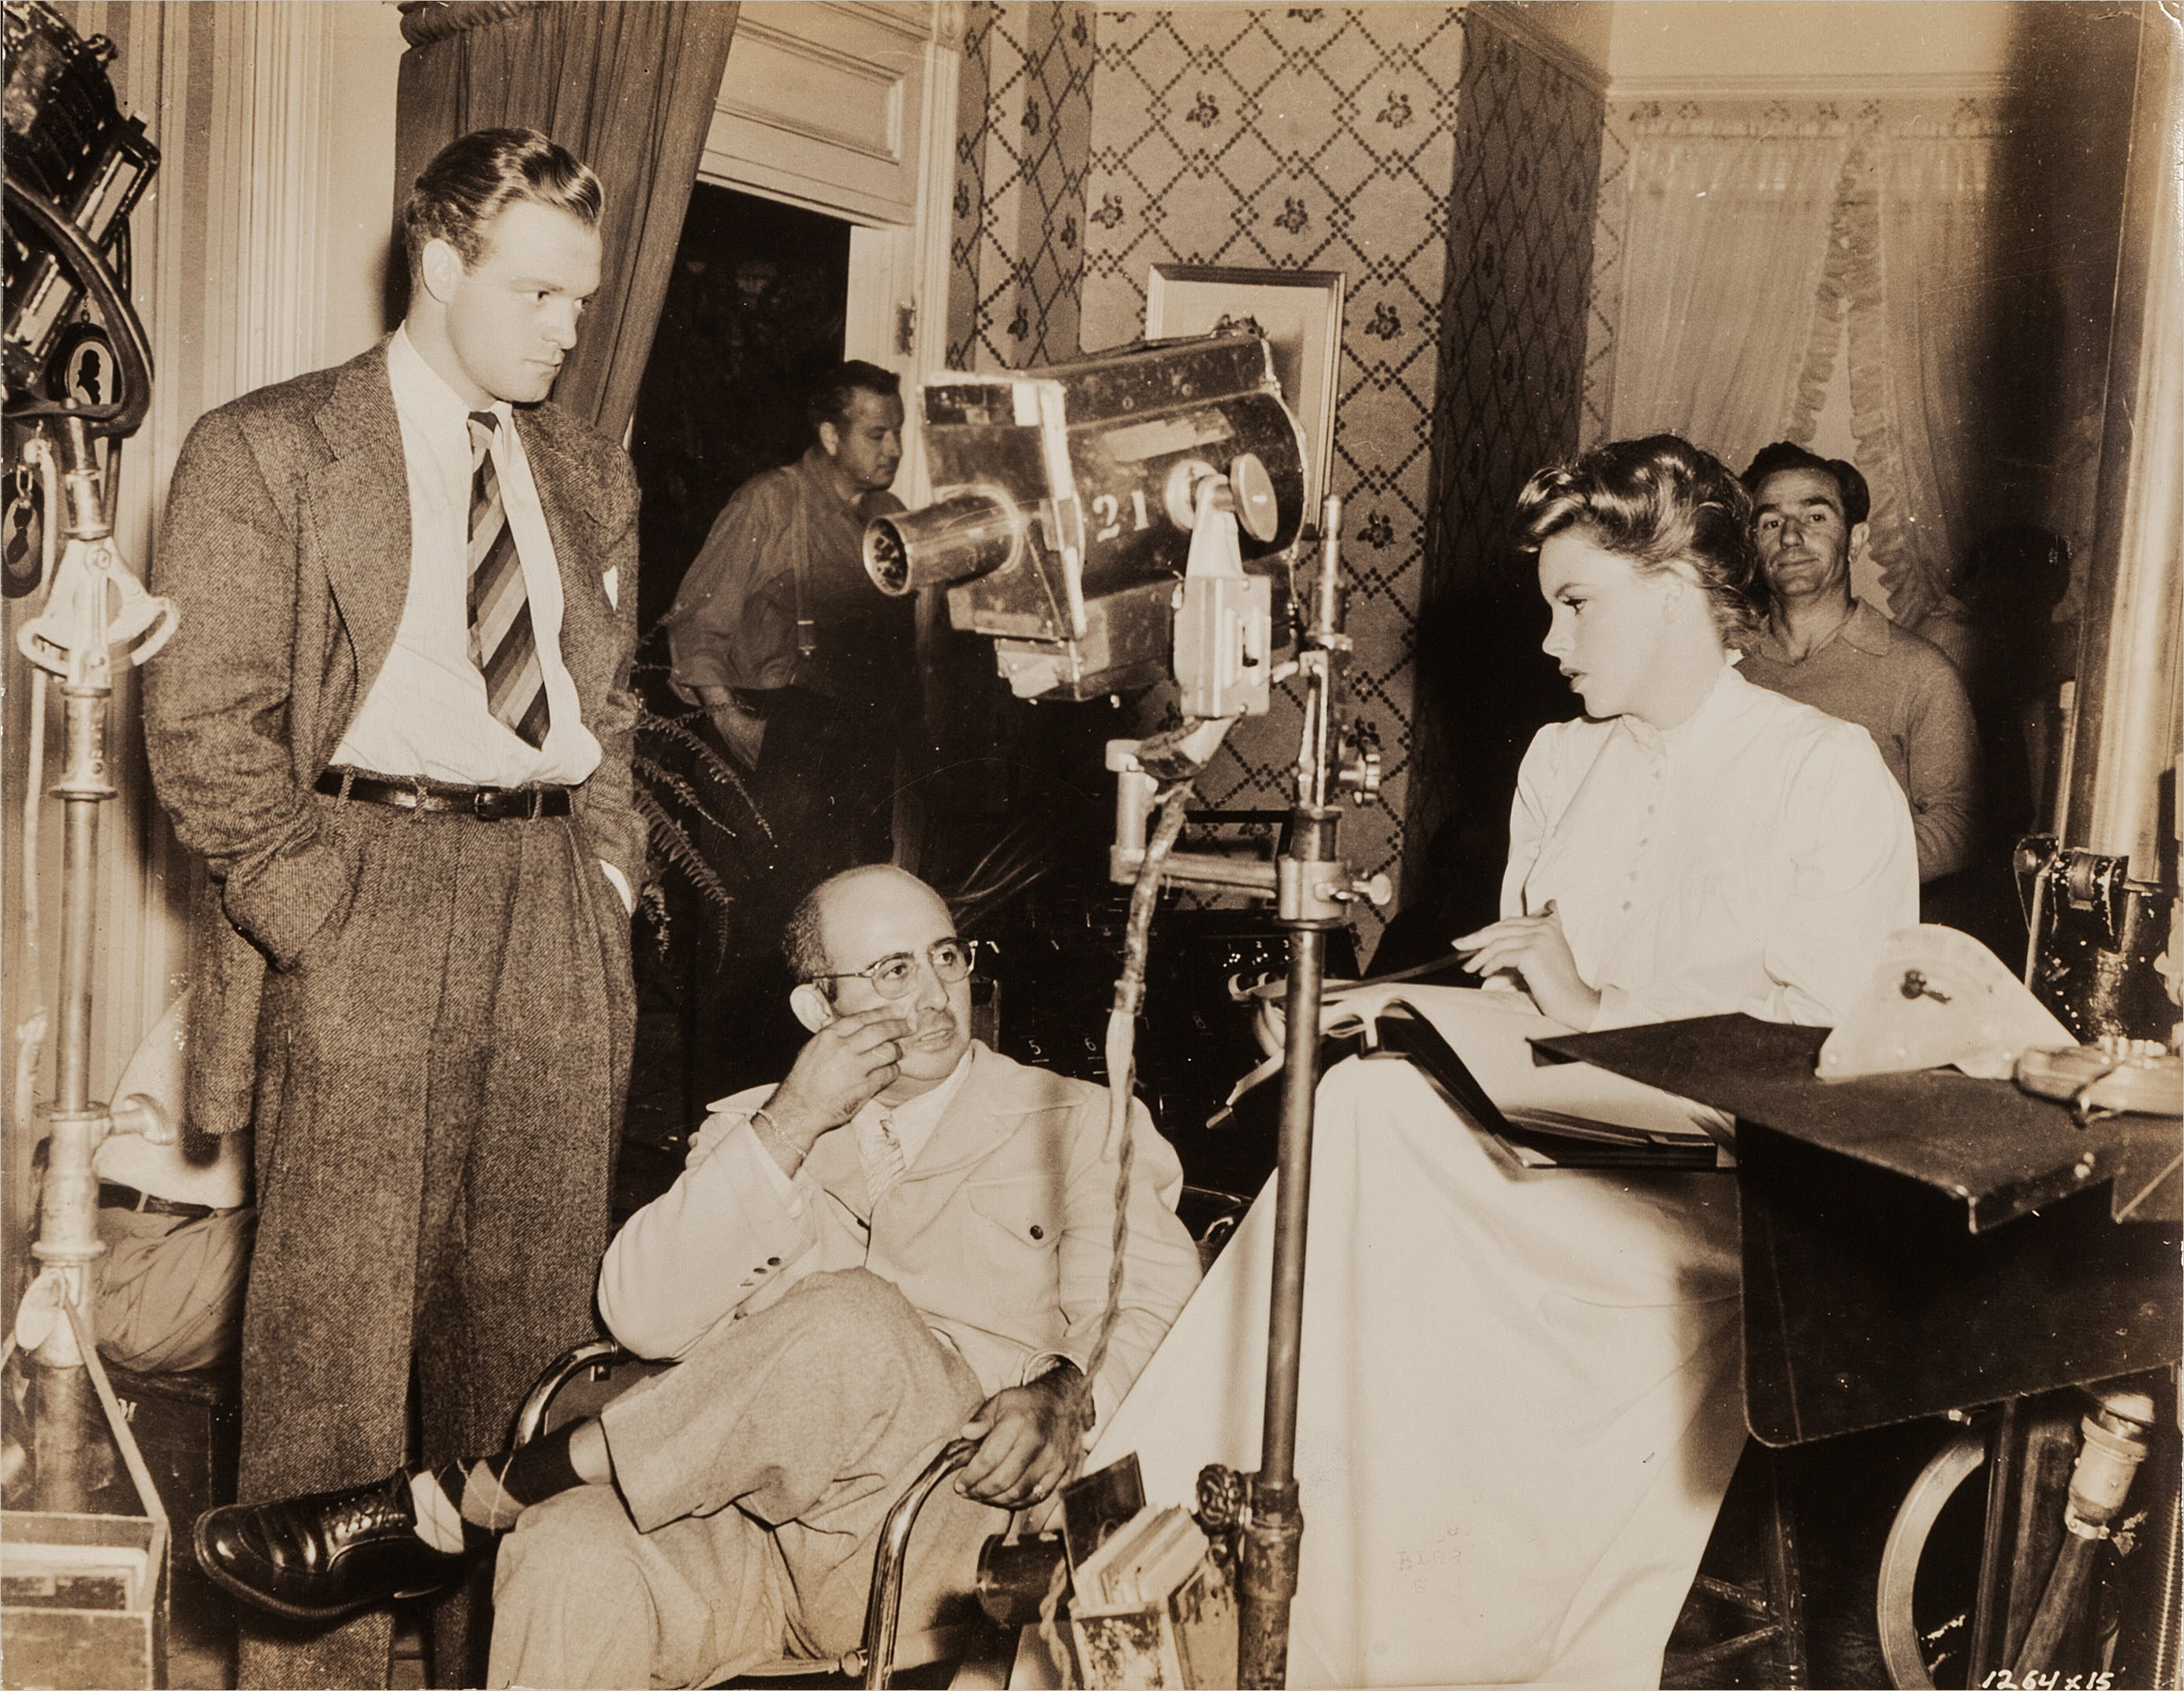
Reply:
x=1754 y=858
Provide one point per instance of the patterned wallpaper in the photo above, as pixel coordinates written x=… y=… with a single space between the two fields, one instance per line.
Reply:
x=1023 y=138
x=1300 y=137
x=1507 y=395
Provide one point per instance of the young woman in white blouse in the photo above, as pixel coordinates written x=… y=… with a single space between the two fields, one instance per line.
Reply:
x=1521 y=1401
x=1693 y=845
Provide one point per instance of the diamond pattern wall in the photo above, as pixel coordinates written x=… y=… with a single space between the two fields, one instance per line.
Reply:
x=1022 y=136
x=1506 y=400
x=1611 y=216
x=1301 y=137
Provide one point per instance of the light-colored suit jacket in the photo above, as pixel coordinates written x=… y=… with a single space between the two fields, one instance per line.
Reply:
x=999 y=1235
x=287 y=549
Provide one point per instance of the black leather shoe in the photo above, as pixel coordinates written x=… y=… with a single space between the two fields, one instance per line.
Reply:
x=314 y=1557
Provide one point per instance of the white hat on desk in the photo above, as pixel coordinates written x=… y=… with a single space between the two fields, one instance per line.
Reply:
x=1939 y=997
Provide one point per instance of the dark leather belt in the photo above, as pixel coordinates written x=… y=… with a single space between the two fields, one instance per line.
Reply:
x=493 y=803
x=113 y=1195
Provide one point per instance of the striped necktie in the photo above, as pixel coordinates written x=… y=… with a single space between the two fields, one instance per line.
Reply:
x=884 y=1165
x=502 y=643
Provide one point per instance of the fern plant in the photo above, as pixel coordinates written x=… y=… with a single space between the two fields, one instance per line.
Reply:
x=706 y=830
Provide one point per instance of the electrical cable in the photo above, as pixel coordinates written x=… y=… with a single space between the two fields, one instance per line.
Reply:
x=1122 y=1061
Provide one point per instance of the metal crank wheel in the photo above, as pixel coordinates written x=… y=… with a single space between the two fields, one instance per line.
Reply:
x=1930 y=1570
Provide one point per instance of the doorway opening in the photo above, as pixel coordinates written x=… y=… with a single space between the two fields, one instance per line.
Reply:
x=753 y=314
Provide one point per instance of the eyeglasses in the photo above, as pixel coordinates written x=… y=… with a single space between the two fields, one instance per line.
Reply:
x=894 y=975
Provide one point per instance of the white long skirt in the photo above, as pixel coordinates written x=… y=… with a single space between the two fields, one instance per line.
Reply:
x=1521 y=1399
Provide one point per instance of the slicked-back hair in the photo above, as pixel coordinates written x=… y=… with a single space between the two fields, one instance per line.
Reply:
x=476 y=176
x=1657 y=502
x=1850 y=485
x=830 y=394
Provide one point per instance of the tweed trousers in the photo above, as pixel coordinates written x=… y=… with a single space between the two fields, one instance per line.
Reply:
x=439 y=1078
x=750 y=1482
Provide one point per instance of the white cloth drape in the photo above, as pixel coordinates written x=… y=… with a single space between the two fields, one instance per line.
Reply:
x=1520 y=1402
x=1925 y=338
x=1722 y=254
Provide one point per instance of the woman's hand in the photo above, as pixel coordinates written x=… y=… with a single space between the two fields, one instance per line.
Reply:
x=1533 y=948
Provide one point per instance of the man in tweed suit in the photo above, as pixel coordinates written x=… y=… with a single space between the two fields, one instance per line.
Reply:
x=396 y=720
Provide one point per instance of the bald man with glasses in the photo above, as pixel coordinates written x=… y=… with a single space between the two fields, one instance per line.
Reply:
x=908 y=1240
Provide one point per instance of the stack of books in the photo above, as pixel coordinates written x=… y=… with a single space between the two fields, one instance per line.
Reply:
x=1151 y=1609
x=1146 y=1559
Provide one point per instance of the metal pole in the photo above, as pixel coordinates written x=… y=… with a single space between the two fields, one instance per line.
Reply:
x=68 y=1240
x=1309 y=904
x=1275 y=1529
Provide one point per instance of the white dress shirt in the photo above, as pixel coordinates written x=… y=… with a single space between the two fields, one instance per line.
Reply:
x=1756 y=857
x=425 y=712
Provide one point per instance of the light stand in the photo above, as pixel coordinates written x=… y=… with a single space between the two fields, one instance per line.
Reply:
x=103 y=1625
x=1061 y=498
x=1312 y=887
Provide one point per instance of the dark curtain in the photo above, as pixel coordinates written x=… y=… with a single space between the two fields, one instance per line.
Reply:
x=629 y=89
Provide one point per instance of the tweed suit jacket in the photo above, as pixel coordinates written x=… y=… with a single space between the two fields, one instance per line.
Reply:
x=999 y=1235
x=285 y=548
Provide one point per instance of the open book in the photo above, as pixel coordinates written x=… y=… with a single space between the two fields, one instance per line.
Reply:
x=1593 y=1127
x=1473 y=1047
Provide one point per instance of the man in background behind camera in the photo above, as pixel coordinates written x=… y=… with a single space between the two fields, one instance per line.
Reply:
x=803 y=665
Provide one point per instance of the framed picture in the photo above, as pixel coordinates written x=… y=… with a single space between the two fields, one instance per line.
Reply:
x=1300 y=312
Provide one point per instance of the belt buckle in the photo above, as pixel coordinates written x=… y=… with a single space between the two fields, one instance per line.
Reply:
x=490 y=803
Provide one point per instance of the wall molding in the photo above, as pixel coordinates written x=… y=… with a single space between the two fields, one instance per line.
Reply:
x=1925 y=85
x=939 y=20
x=820 y=106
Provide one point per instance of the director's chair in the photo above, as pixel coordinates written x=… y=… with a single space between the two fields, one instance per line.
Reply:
x=581 y=1381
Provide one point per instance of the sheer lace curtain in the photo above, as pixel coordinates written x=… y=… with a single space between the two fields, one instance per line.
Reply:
x=1923 y=333
x=1747 y=249
x=1723 y=251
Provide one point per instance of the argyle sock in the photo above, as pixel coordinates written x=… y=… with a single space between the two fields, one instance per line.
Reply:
x=464 y=1506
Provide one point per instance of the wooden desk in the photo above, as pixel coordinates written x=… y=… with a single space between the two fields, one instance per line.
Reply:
x=1919 y=1243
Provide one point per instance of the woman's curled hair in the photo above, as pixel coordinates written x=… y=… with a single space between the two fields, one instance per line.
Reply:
x=1658 y=501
